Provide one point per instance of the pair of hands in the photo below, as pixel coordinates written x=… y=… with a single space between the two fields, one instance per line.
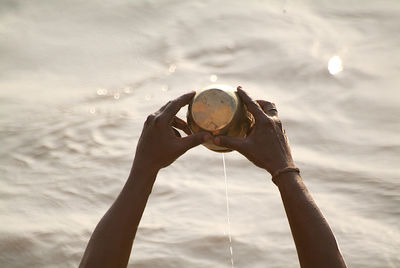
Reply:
x=160 y=144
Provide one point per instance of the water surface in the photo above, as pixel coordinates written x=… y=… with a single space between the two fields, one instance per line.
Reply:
x=77 y=80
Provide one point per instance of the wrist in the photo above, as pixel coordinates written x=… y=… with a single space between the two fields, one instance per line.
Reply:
x=286 y=174
x=275 y=167
x=143 y=173
x=140 y=183
x=144 y=168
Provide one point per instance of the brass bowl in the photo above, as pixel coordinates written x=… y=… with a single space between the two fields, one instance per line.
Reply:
x=219 y=110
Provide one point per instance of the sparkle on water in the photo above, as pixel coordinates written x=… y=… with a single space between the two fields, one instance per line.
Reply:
x=101 y=91
x=335 y=65
x=227 y=209
x=127 y=90
x=164 y=88
x=172 y=68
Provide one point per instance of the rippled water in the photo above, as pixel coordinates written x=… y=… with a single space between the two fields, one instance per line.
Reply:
x=77 y=80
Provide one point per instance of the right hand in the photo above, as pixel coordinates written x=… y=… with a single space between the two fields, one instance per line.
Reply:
x=160 y=143
x=266 y=145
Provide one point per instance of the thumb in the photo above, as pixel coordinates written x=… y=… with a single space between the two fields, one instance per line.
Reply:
x=229 y=142
x=193 y=140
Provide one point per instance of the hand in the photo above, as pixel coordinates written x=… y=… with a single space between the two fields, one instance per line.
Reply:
x=160 y=144
x=266 y=145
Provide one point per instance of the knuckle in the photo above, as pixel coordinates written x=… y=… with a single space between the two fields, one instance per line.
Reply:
x=279 y=123
x=157 y=119
x=150 y=118
x=267 y=121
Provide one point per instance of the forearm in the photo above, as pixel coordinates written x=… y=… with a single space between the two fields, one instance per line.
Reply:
x=111 y=241
x=315 y=242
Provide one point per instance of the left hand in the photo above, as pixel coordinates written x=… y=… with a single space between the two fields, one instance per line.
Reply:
x=160 y=143
x=266 y=145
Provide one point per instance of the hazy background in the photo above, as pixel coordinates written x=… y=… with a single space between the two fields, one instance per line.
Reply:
x=78 y=78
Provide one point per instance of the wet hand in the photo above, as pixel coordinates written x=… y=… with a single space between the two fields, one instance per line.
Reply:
x=160 y=143
x=266 y=145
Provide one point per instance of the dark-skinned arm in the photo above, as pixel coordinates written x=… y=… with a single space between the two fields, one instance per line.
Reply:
x=159 y=145
x=111 y=242
x=268 y=148
x=315 y=243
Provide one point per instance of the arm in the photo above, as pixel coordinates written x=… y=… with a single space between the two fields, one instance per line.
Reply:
x=159 y=145
x=315 y=243
x=111 y=241
x=267 y=147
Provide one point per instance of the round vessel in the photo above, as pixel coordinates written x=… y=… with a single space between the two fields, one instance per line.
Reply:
x=219 y=110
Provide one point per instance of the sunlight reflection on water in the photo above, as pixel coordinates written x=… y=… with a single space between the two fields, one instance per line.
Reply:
x=335 y=65
x=78 y=80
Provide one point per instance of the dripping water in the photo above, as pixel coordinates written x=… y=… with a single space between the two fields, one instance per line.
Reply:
x=227 y=209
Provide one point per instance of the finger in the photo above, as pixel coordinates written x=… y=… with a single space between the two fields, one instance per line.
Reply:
x=177 y=133
x=251 y=105
x=268 y=107
x=193 y=140
x=182 y=125
x=174 y=106
x=230 y=142
x=163 y=107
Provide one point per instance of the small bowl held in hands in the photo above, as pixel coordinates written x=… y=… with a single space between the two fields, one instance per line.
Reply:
x=219 y=110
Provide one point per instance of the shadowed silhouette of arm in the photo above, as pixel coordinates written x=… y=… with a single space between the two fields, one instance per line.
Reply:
x=159 y=145
x=315 y=243
x=268 y=148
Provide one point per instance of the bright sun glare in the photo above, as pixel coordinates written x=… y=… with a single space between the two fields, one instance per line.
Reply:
x=335 y=65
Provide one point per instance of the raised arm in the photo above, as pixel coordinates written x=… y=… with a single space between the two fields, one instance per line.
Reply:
x=159 y=145
x=267 y=147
